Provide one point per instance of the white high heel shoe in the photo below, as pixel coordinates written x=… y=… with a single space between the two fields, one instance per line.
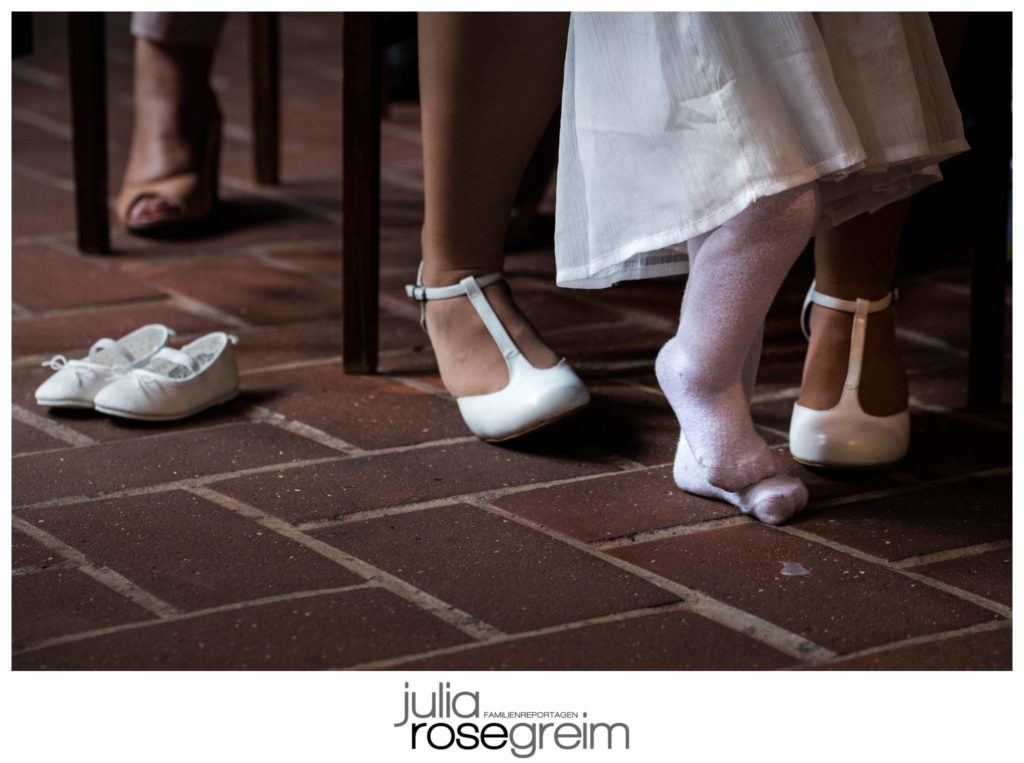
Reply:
x=846 y=436
x=533 y=398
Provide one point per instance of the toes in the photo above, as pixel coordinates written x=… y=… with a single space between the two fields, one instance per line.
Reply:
x=776 y=500
x=152 y=209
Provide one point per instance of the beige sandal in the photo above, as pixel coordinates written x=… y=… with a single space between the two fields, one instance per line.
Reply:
x=193 y=194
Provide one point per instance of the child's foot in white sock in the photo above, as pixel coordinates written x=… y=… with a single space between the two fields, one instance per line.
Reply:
x=772 y=500
x=724 y=445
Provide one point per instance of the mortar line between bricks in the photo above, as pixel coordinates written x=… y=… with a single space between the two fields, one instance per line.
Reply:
x=181 y=301
x=842 y=548
x=86 y=310
x=54 y=128
x=928 y=638
x=486 y=494
x=909 y=488
x=700 y=603
x=282 y=263
x=714 y=524
x=467 y=623
x=52 y=428
x=588 y=450
x=963 y=552
x=43 y=178
x=35 y=569
x=206 y=479
x=43 y=238
x=36 y=75
x=150 y=434
x=71 y=638
x=421 y=386
x=676 y=531
x=927 y=340
x=21 y=310
x=314 y=241
x=131 y=267
x=293 y=366
x=615 y=617
x=263 y=415
x=199 y=308
x=105 y=576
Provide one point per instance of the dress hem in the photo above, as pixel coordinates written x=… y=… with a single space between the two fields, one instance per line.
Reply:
x=836 y=168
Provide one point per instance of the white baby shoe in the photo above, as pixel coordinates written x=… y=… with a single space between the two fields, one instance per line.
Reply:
x=77 y=382
x=175 y=383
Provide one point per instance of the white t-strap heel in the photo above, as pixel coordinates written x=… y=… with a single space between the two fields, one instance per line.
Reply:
x=533 y=398
x=846 y=436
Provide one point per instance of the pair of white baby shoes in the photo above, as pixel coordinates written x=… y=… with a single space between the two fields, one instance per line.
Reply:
x=139 y=377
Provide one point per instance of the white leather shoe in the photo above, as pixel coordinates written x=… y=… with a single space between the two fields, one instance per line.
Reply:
x=78 y=381
x=533 y=398
x=175 y=383
x=845 y=436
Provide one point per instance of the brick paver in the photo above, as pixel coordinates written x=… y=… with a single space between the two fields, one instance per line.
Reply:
x=332 y=521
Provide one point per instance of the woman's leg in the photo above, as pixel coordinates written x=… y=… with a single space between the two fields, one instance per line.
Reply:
x=856 y=260
x=173 y=101
x=489 y=84
x=707 y=368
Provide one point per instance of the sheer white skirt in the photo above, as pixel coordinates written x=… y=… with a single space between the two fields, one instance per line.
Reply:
x=674 y=122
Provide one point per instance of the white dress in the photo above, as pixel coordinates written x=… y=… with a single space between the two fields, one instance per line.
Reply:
x=674 y=122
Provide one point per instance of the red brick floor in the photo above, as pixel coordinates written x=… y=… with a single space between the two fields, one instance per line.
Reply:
x=328 y=521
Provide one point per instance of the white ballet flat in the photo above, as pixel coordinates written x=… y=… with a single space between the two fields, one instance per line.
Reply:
x=175 y=383
x=533 y=398
x=78 y=381
x=845 y=436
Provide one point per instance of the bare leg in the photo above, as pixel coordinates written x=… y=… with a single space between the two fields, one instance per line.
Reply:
x=857 y=260
x=173 y=101
x=489 y=83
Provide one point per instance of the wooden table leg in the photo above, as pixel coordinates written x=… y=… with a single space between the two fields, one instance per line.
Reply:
x=88 y=71
x=360 y=191
x=264 y=60
x=21 y=34
x=991 y=144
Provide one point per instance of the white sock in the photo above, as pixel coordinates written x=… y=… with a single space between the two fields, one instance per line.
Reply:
x=707 y=370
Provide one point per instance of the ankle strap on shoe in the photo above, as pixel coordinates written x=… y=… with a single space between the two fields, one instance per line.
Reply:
x=427 y=294
x=855 y=306
x=424 y=294
x=472 y=287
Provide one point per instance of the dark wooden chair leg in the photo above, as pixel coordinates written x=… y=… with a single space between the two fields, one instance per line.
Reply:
x=360 y=191
x=264 y=60
x=88 y=71
x=21 y=34
x=991 y=145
